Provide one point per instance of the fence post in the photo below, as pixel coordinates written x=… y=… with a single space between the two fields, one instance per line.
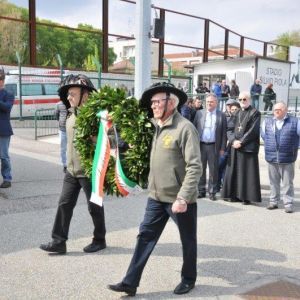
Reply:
x=35 y=124
x=99 y=69
x=191 y=84
x=169 y=69
x=60 y=66
x=20 y=84
x=296 y=106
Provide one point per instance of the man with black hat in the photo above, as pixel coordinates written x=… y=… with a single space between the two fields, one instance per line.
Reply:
x=74 y=91
x=6 y=104
x=175 y=168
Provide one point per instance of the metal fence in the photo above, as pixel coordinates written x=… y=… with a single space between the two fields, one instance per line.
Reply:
x=45 y=123
x=293 y=103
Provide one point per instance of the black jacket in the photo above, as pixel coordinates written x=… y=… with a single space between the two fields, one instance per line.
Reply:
x=247 y=129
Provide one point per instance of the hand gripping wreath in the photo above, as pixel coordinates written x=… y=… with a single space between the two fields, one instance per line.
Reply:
x=133 y=128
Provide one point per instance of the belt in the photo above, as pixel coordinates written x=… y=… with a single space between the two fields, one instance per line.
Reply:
x=207 y=143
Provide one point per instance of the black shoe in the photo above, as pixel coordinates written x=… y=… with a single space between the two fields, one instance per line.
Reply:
x=246 y=202
x=65 y=169
x=212 y=197
x=94 y=247
x=121 y=287
x=5 y=184
x=201 y=195
x=56 y=247
x=232 y=200
x=183 y=288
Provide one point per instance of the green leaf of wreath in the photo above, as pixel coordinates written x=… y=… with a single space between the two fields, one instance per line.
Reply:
x=134 y=129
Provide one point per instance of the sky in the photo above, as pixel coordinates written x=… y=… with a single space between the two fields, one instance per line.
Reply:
x=258 y=19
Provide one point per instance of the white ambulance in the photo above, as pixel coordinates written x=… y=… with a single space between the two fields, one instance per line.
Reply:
x=37 y=90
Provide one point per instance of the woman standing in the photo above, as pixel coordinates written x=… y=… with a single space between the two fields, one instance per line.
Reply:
x=234 y=91
x=268 y=97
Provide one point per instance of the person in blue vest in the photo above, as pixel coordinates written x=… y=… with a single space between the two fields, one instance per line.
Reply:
x=6 y=104
x=281 y=137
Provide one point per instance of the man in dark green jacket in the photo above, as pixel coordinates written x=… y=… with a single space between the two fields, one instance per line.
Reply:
x=175 y=168
x=74 y=91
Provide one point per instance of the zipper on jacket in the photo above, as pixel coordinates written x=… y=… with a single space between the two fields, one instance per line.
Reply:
x=157 y=133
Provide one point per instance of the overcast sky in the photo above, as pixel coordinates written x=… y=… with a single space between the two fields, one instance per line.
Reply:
x=258 y=19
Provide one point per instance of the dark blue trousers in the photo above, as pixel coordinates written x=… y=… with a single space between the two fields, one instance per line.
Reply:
x=156 y=217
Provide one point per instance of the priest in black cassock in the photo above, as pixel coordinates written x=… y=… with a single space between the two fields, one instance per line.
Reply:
x=241 y=181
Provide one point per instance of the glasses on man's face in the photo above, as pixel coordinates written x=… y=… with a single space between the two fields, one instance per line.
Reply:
x=71 y=94
x=157 y=102
x=243 y=99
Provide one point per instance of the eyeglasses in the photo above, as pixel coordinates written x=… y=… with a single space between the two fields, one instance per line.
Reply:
x=243 y=99
x=72 y=94
x=157 y=102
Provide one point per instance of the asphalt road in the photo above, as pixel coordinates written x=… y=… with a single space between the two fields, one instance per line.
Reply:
x=239 y=247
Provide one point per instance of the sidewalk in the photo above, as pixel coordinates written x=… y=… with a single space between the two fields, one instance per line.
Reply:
x=244 y=252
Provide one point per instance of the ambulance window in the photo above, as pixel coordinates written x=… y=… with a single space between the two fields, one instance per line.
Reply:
x=32 y=89
x=51 y=89
x=12 y=88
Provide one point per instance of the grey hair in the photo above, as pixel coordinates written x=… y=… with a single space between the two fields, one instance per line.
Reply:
x=212 y=95
x=175 y=98
x=245 y=94
x=282 y=103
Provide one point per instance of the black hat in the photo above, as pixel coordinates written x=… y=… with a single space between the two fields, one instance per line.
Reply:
x=71 y=80
x=231 y=101
x=161 y=87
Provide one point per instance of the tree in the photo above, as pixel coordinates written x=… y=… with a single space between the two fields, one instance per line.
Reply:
x=11 y=33
x=287 y=39
x=74 y=46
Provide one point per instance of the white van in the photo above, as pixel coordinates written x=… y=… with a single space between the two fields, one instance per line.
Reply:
x=38 y=91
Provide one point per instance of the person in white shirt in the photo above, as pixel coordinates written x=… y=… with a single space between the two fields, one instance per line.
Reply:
x=211 y=125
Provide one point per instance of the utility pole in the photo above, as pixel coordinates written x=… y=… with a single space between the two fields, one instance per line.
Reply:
x=142 y=78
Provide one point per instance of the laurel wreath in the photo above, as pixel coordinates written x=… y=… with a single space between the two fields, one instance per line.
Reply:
x=133 y=127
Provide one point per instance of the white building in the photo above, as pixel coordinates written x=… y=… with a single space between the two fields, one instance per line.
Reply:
x=244 y=71
x=125 y=50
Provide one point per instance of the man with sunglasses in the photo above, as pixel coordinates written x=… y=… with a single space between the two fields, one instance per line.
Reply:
x=241 y=181
x=175 y=168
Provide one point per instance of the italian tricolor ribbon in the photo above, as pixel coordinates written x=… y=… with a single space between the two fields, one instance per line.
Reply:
x=100 y=164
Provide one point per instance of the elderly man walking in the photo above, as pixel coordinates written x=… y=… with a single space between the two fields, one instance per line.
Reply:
x=281 y=136
x=175 y=168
